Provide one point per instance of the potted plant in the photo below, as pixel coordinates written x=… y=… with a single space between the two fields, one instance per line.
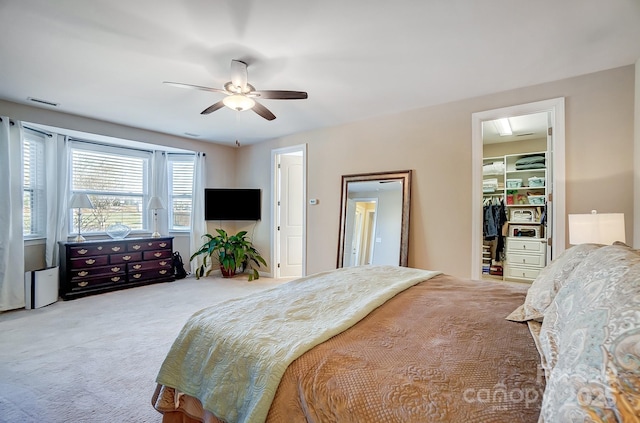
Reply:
x=232 y=252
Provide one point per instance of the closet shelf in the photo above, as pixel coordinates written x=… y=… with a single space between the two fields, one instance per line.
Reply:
x=525 y=188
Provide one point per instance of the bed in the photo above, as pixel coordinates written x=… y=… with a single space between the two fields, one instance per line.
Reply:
x=436 y=348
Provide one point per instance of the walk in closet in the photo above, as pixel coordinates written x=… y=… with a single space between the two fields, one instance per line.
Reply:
x=514 y=194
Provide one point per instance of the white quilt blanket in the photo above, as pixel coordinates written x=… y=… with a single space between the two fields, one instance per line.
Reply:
x=232 y=356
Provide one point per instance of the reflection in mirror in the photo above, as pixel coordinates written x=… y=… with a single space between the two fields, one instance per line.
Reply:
x=374 y=219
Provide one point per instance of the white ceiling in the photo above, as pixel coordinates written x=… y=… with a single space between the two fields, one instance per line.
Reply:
x=525 y=127
x=106 y=59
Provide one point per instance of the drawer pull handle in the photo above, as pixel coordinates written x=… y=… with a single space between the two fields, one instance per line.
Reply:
x=137 y=266
x=158 y=254
x=115 y=248
x=90 y=261
x=163 y=263
x=164 y=244
x=83 y=273
x=115 y=269
x=137 y=276
x=115 y=278
x=150 y=244
x=83 y=251
x=523 y=260
x=83 y=283
x=162 y=272
x=126 y=258
x=524 y=247
x=136 y=247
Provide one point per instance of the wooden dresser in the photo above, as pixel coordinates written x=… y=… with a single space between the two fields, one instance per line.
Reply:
x=92 y=267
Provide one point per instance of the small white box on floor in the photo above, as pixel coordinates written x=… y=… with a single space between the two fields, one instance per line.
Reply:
x=40 y=287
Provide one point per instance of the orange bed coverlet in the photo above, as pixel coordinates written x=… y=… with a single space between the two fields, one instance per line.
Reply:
x=440 y=351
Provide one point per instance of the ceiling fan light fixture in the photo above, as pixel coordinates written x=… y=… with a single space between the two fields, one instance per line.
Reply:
x=238 y=102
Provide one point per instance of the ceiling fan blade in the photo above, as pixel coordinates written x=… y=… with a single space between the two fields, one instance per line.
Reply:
x=281 y=95
x=213 y=108
x=194 y=87
x=239 y=75
x=263 y=111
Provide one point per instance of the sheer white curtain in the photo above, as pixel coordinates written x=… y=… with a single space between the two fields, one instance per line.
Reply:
x=57 y=186
x=11 y=219
x=198 y=224
x=160 y=188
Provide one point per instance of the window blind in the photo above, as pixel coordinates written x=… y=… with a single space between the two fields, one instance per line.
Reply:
x=116 y=180
x=180 y=192
x=34 y=201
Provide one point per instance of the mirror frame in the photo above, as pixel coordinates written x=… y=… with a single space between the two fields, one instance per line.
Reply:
x=404 y=176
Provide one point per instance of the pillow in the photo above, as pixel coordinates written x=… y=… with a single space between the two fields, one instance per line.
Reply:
x=530 y=166
x=530 y=159
x=545 y=287
x=590 y=338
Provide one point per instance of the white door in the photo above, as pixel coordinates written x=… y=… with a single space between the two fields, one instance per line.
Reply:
x=291 y=218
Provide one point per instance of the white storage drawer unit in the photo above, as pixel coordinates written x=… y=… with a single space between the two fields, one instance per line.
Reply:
x=525 y=258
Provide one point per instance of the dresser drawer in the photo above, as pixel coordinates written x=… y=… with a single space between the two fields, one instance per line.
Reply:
x=528 y=245
x=89 y=272
x=147 y=265
x=80 y=263
x=537 y=260
x=124 y=258
x=79 y=284
x=151 y=255
x=86 y=251
x=517 y=272
x=150 y=274
x=149 y=245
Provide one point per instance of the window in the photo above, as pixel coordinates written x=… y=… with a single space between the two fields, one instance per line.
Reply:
x=180 y=171
x=116 y=180
x=33 y=198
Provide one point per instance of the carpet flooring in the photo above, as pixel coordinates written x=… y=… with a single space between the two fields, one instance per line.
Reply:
x=95 y=359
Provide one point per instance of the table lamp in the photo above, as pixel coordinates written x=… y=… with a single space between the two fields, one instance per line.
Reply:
x=155 y=204
x=80 y=201
x=596 y=228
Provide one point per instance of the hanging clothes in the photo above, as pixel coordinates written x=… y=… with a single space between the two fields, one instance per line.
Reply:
x=495 y=217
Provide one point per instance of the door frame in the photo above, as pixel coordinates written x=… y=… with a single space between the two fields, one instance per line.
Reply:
x=275 y=153
x=555 y=108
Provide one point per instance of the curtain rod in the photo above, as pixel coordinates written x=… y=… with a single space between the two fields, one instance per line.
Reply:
x=37 y=130
x=31 y=129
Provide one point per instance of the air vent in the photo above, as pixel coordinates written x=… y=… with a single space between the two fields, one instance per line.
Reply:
x=191 y=134
x=45 y=102
x=524 y=135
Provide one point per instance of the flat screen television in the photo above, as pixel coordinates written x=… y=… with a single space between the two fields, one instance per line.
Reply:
x=231 y=204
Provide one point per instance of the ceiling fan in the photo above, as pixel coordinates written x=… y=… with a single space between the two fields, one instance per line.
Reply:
x=240 y=95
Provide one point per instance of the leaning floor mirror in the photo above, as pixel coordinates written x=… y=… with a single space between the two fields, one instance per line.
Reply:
x=374 y=219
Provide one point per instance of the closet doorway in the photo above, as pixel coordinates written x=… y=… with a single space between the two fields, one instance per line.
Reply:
x=518 y=196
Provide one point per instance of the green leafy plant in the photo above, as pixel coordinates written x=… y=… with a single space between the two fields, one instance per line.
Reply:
x=232 y=252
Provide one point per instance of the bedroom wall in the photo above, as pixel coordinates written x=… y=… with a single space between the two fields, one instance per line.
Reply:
x=436 y=143
x=220 y=159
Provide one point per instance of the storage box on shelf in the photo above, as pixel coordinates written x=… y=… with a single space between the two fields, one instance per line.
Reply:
x=92 y=267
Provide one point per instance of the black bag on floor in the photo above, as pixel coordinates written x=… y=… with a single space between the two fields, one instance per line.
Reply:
x=178 y=266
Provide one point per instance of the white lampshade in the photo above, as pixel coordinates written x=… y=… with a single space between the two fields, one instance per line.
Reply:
x=238 y=102
x=597 y=228
x=80 y=201
x=155 y=203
